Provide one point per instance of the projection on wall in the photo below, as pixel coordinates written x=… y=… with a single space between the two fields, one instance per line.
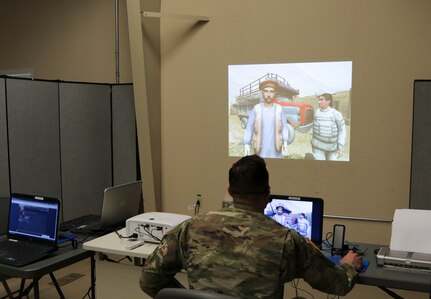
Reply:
x=290 y=110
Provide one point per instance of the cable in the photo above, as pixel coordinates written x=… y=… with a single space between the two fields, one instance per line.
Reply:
x=356 y=248
x=132 y=236
x=197 y=207
x=146 y=232
x=327 y=242
x=295 y=284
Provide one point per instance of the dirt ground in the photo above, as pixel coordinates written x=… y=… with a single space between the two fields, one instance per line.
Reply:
x=297 y=149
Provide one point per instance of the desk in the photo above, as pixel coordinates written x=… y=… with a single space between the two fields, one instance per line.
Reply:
x=383 y=278
x=59 y=259
x=373 y=276
x=112 y=244
x=117 y=280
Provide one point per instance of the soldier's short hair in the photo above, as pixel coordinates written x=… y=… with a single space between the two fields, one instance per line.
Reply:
x=249 y=176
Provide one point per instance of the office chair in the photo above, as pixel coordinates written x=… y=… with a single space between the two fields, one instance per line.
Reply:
x=177 y=293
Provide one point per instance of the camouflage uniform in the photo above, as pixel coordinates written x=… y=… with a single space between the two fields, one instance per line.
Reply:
x=241 y=252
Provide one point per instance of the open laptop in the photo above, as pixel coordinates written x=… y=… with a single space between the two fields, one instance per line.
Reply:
x=32 y=230
x=304 y=214
x=119 y=204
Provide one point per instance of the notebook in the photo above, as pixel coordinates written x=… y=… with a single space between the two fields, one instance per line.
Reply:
x=119 y=204
x=32 y=230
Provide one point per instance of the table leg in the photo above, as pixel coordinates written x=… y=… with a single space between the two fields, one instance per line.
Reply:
x=6 y=287
x=36 y=288
x=21 y=288
x=93 y=277
x=54 y=281
x=391 y=293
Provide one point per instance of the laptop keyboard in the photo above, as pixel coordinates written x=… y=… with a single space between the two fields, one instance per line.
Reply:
x=19 y=254
x=16 y=248
x=76 y=222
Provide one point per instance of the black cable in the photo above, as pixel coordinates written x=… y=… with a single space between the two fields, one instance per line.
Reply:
x=295 y=284
x=132 y=236
x=147 y=232
x=197 y=207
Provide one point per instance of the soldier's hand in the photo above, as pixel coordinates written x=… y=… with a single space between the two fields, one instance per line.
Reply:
x=247 y=150
x=352 y=258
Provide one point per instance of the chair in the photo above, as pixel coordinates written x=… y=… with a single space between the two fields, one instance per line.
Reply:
x=177 y=293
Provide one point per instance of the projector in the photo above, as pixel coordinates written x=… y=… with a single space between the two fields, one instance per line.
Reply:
x=152 y=226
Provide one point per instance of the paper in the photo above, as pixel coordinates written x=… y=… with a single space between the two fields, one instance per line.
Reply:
x=411 y=231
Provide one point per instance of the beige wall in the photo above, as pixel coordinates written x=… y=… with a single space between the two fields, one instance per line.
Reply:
x=66 y=40
x=388 y=44
x=387 y=40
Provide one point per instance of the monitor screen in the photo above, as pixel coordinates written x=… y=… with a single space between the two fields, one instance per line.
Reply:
x=303 y=214
x=33 y=218
x=290 y=110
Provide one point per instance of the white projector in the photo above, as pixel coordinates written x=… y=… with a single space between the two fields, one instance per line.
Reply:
x=152 y=226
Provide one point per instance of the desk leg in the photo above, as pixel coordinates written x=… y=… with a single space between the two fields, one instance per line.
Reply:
x=390 y=293
x=21 y=288
x=93 y=277
x=36 y=288
x=54 y=281
x=6 y=287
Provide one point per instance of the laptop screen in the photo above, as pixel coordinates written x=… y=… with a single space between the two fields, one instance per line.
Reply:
x=33 y=217
x=304 y=214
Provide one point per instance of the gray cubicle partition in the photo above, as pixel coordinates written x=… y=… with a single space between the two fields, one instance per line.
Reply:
x=67 y=140
x=86 y=146
x=34 y=139
x=4 y=161
x=420 y=183
x=124 y=134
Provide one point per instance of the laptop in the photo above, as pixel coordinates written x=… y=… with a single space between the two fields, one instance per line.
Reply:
x=119 y=204
x=32 y=230
x=301 y=213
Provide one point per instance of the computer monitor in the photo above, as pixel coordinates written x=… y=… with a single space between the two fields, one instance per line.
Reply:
x=304 y=214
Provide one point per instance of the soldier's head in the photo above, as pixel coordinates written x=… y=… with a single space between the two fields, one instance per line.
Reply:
x=269 y=89
x=325 y=100
x=249 y=180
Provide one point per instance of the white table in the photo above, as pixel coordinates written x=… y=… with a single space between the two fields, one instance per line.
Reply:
x=112 y=244
x=120 y=280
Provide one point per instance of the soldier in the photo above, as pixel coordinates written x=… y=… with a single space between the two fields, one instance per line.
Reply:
x=239 y=251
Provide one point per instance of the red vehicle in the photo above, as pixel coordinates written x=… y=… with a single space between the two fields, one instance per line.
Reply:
x=299 y=115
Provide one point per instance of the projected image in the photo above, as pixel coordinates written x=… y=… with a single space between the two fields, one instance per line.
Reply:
x=295 y=215
x=290 y=110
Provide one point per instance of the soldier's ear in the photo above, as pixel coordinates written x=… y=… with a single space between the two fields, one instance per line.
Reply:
x=229 y=190
x=268 y=190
